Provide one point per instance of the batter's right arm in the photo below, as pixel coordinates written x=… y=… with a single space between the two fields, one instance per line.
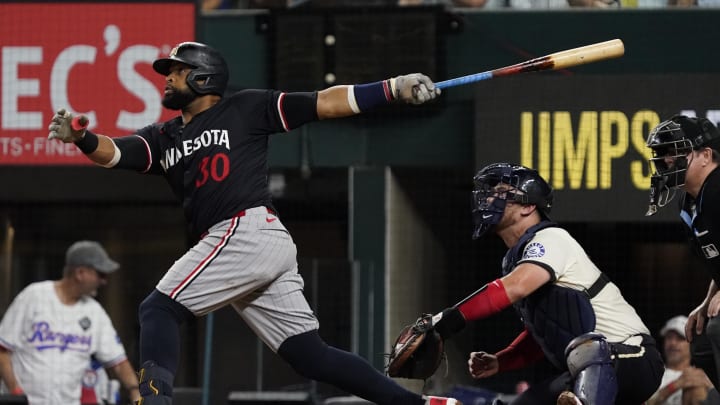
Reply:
x=7 y=374
x=105 y=153
x=68 y=128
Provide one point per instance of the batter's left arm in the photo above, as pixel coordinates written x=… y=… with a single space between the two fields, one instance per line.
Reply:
x=342 y=101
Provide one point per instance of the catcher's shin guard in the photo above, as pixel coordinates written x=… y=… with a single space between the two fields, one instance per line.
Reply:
x=589 y=360
x=155 y=385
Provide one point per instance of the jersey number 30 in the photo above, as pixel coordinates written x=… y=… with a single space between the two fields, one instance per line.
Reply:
x=217 y=168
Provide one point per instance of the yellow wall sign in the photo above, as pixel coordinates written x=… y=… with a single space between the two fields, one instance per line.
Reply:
x=581 y=156
x=586 y=134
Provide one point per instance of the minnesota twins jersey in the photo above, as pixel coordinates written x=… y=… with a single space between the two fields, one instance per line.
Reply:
x=701 y=217
x=51 y=343
x=560 y=254
x=217 y=163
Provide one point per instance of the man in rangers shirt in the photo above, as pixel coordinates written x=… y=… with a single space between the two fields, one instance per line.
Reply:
x=214 y=156
x=685 y=155
x=52 y=328
x=574 y=316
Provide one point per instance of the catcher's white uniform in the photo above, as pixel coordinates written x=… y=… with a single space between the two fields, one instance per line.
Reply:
x=558 y=252
x=51 y=343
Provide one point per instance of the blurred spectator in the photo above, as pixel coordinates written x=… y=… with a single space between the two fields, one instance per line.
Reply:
x=663 y=3
x=594 y=3
x=521 y=386
x=283 y=3
x=206 y=5
x=699 y=3
x=53 y=327
x=681 y=383
x=458 y=3
x=469 y=3
x=489 y=4
x=526 y=4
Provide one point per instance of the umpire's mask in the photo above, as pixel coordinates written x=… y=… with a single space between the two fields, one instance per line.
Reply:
x=671 y=142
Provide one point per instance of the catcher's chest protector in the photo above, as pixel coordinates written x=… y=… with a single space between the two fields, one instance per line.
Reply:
x=554 y=315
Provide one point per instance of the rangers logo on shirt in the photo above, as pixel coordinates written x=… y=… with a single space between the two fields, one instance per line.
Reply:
x=44 y=338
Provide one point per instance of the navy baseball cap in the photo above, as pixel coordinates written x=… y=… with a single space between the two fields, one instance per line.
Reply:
x=90 y=254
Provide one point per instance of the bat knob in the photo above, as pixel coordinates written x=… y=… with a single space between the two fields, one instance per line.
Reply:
x=79 y=122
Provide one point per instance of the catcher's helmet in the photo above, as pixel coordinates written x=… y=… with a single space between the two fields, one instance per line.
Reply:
x=526 y=187
x=671 y=141
x=209 y=70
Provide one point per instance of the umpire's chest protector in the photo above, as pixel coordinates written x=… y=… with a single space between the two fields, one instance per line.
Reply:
x=554 y=315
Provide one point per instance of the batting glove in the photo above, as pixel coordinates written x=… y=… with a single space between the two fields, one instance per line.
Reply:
x=67 y=127
x=415 y=88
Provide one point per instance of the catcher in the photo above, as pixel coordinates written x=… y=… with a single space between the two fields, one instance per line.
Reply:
x=574 y=316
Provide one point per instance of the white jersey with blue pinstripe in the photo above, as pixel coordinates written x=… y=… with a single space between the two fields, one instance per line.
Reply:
x=51 y=343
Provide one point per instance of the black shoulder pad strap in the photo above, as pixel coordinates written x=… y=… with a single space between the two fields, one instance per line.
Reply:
x=598 y=285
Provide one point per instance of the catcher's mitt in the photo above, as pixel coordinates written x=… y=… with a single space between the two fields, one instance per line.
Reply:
x=417 y=352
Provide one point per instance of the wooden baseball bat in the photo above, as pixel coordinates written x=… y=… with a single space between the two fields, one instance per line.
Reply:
x=558 y=60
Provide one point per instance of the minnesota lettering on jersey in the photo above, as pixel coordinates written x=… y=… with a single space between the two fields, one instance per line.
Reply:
x=207 y=138
x=44 y=338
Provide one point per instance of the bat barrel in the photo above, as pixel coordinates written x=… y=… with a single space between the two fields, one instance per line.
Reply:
x=588 y=54
x=558 y=60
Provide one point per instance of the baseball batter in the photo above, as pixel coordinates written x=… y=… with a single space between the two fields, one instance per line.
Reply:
x=52 y=328
x=214 y=156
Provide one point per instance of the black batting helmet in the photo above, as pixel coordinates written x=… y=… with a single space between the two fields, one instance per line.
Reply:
x=533 y=189
x=209 y=70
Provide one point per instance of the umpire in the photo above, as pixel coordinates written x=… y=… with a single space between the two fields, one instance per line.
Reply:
x=685 y=157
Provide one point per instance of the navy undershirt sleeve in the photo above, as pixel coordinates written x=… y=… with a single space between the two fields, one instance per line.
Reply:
x=299 y=108
x=134 y=153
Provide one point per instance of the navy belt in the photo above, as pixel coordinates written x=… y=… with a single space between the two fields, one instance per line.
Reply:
x=238 y=215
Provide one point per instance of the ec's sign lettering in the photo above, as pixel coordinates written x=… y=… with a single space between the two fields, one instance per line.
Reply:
x=100 y=65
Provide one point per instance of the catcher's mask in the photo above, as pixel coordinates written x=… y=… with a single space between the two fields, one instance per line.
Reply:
x=525 y=187
x=671 y=142
x=209 y=73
